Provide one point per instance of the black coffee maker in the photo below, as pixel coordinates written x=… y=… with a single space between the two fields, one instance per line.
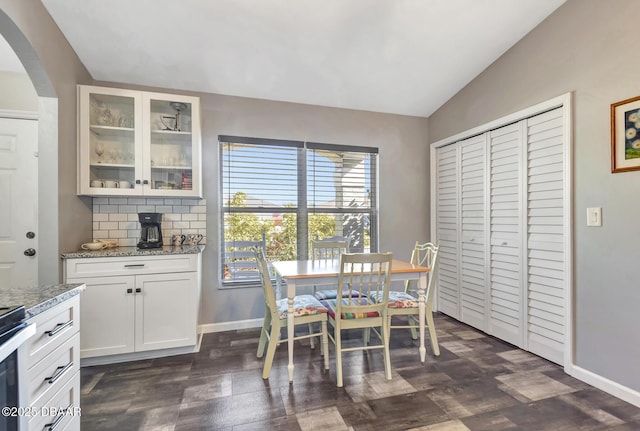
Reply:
x=150 y=232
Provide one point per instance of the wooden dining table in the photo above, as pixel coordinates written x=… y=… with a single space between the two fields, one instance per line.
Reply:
x=297 y=274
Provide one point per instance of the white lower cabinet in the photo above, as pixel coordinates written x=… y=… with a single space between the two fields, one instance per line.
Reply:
x=135 y=304
x=53 y=362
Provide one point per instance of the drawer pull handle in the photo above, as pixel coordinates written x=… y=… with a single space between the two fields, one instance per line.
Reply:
x=59 y=327
x=138 y=290
x=137 y=265
x=59 y=372
x=53 y=425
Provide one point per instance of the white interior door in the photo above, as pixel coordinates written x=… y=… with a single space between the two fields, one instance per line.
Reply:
x=447 y=230
x=506 y=283
x=472 y=233
x=18 y=202
x=546 y=236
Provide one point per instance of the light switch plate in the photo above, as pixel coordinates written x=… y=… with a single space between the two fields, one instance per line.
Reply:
x=594 y=216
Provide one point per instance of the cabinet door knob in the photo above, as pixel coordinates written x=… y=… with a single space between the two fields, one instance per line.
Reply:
x=137 y=181
x=145 y=181
x=30 y=252
x=129 y=290
x=138 y=290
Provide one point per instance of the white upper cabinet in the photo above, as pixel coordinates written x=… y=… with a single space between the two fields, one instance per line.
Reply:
x=136 y=143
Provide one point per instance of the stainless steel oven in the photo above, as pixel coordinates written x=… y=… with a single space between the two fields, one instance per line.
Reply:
x=13 y=333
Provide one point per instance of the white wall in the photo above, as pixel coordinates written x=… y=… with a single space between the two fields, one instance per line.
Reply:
x=17 y=92
x=588 y=47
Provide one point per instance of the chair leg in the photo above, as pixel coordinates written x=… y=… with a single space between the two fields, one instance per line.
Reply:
x=432 y=334
x=366 y=336
x=271 y=350
x=312 y=340
x=325 y=344
x=414 y=331
x=263 y=334
x=385 y=340
x=337 y=336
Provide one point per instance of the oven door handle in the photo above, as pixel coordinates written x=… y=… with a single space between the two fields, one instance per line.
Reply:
x=12 y=344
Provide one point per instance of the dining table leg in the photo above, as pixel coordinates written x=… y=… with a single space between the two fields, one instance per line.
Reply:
x=422 y=289
x=291 y=290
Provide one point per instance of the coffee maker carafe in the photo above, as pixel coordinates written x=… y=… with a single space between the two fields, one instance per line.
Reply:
x=150 y=232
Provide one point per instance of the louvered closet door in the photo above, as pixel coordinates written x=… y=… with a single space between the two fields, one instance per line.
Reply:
x=472 y=227
x=546 y=236
x=447 y=229
x=505 y=289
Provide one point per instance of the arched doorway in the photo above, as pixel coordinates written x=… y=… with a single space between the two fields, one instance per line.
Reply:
x=47 y=152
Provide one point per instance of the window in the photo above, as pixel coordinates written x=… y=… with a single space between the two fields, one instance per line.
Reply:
x=282 y=194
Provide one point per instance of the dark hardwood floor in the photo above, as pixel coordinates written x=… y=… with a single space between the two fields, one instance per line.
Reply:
x=477 y=383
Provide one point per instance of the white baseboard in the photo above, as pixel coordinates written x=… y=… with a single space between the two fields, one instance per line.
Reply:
x=230 y=326
x=139 y=356
x=616 y=389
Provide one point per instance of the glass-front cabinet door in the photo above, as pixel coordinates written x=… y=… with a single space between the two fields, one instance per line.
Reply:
x=138 y=143
x=173 y=134
x=110 y=130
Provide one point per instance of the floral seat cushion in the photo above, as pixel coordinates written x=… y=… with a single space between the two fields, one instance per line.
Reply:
x=303 y=305
x=332 y=306
x=398 y=299
x=333 y=294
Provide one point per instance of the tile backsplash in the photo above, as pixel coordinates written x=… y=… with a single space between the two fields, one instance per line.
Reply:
x=116 y=218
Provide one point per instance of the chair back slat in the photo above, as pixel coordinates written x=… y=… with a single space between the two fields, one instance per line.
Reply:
x=425 y=254
x=240 y=260
x=328 y=250
x=366 y=274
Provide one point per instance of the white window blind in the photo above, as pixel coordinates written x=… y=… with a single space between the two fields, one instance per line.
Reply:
x=285 y=193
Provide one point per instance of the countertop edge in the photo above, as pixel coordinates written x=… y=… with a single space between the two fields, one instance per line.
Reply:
x=134 y=251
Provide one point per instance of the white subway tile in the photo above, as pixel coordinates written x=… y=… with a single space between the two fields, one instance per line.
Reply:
x=202 y=217
x=127 y=208
x=146 y=208
x=172 y=217
x=108 y=208
x=101 y=234
x=155 y=201
x=136 y=201
x=199 y=209
x=126 y=225
x=133 y=233
x=108 y=225
x=181 y=225
x=132 y=217
x=100 y=217
x=164 y=208
x=96 y=225
x=117 y=201
x=198 y=225
x=100 y=201
x=117 y=217
x=117 y=234
x=172 y=202
x=189 y=217
x=180 y=209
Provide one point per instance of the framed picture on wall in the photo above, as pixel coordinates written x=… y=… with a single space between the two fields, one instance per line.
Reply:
x=625 y=135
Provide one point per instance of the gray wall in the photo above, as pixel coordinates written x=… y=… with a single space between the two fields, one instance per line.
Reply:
x=54 y=69
x=403 y=185
x=585 y=47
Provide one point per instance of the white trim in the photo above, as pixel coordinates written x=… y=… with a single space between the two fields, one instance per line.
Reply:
x=18 y=115
x=609 y=386
x=138 y=356
x=229 y=326
x=433 y=233
x=556 y=102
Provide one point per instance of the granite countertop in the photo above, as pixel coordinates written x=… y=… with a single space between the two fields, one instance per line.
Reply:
x=39 y=299
x=134 y=251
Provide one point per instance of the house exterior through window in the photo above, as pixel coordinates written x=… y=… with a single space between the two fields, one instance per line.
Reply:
x=282 y=194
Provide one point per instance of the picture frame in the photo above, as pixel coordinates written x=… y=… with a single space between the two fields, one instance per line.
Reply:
x=625 y=135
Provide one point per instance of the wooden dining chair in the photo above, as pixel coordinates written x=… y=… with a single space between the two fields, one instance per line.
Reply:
x=306 y=310
x=366 y=274
x=324 y=251
x=405 y=303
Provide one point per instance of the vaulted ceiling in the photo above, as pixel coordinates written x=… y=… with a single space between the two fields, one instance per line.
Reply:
x=395 y=56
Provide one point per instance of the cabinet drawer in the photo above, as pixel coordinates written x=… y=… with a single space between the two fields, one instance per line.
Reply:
x=106 y=266
x=53 y=327
x=48 y=376
x=62 y=409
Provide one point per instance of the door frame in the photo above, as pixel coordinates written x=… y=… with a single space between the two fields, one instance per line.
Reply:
x=565 y=103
